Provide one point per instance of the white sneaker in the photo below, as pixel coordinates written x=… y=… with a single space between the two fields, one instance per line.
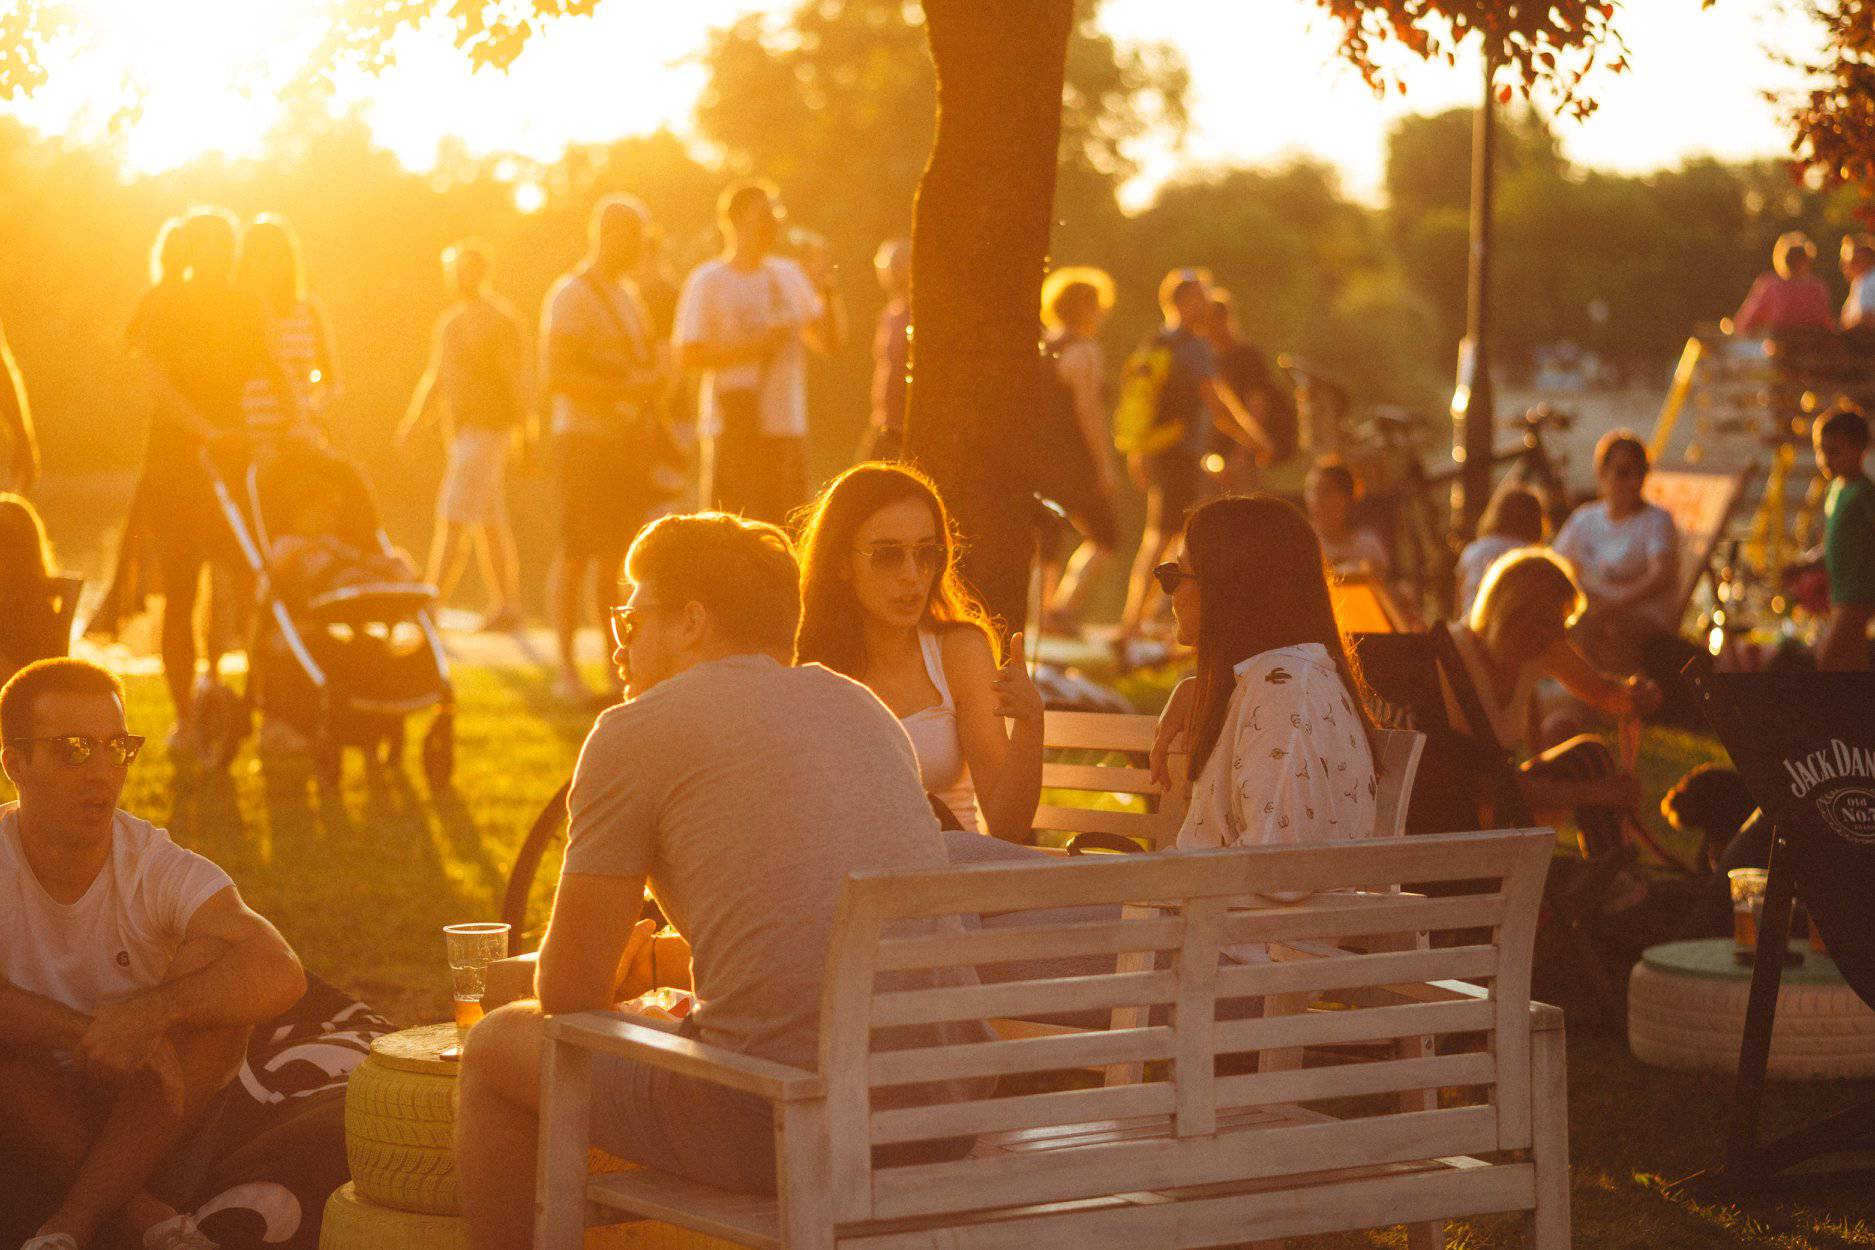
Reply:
x=180 y=1233
x=51 y=1241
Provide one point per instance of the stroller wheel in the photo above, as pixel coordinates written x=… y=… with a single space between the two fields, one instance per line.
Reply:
x=439 y=750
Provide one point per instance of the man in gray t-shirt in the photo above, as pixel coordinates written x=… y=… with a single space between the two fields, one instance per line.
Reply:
x=745 y=791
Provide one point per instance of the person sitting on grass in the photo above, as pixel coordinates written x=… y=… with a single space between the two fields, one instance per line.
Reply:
x=1842 y=440
x=1351 y=551
x=882 y=601
x=1512 y=519
x=130 y=975
x=30 y=627
x=746 y=791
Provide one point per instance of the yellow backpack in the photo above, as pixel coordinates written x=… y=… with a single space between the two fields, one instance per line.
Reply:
x=1136 y=423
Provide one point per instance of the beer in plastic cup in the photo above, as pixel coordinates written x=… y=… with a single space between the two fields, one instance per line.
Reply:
x=471 y=948
x=1747 y=905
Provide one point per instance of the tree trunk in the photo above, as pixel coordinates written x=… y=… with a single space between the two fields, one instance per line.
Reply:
x=979 y=244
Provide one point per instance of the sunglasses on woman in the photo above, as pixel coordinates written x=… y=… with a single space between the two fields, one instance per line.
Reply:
x=1169 y=575
x=75 y=749
x=887 y=559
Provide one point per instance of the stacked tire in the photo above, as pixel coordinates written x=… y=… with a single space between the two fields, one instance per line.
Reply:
x=400 y=1124
x=1681 y=1015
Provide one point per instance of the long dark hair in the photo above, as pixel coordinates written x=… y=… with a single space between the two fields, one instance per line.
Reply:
x=832 y=631
x=1262 y=584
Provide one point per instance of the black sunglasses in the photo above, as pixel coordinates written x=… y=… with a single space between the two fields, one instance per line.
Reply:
x=886 y=559
x=78 y=748
x=1169 y=575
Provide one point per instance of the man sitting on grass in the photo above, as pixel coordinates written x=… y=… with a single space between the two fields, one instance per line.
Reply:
x=130 y=974
x=747 y=791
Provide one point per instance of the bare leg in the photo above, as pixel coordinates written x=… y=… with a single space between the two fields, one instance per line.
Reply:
x=1153 y=544
x=563 y=595
x=500 y=565
x=498 y=1126
x=179 y=592
x=449 y=552
x=1084 y=567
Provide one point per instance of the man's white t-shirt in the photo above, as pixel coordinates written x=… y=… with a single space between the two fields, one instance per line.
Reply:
x=723 y=304
x=1609 y=555
x=118 y=939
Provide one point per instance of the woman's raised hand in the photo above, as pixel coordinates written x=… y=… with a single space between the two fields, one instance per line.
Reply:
x=1172 y=722
x=1016 y=695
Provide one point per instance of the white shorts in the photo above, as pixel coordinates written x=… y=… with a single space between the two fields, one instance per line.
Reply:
x=475 y=484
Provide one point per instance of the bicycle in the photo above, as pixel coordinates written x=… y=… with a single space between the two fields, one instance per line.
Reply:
x=1426 y=550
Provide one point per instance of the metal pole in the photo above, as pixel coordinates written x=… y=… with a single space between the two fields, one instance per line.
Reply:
x=1473 y=409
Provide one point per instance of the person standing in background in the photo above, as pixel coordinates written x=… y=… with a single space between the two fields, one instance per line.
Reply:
x=477 y=368
x=891 y=354
x=745 y=321
x=271 y=270
x=1247 y=373
x=602 y=370
x=16 y=416
x=1075 y=303
x=1858 y=267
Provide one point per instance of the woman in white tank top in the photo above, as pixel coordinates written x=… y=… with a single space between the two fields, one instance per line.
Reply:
x=881 y=601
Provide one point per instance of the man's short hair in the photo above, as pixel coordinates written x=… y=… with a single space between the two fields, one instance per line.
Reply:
x=19 y=698
x=1845 y=420
x=743 y=573
x=738 y=195
x=1175 y=283
x=471 y=251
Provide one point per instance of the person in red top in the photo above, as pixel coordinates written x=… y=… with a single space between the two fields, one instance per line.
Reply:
x=1791 y=298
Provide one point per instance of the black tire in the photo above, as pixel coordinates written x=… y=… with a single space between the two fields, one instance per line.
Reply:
x=439 y=751
x=548 y=831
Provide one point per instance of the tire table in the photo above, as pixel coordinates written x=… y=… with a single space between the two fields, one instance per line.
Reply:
x=1686 y=1010
x=400 y=1123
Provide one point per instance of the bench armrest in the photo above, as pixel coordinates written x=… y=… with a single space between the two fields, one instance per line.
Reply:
x=773 y=1082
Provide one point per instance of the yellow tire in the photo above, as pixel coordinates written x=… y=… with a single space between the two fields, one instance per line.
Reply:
x=400 y=1128
x=354 y=1223
x=407 y=1178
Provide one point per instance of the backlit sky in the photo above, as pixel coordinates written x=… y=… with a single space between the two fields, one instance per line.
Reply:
x=1265 y=83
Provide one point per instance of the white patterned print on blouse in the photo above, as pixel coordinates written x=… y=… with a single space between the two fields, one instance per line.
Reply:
x=1292 y=763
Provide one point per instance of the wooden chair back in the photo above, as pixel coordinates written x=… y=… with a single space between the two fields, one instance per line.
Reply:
x=1095 y=762
x=1186 y=1123
x=1396 y=759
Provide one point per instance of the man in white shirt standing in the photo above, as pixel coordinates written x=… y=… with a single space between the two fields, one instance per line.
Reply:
x=130 y=970
x=1858 y=266
x=603 y=370
x=744 y=322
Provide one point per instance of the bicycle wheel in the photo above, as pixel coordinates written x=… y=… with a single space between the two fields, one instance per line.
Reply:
x=529 y=897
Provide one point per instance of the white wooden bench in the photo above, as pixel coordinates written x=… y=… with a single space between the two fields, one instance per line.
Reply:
x=1192 y=1155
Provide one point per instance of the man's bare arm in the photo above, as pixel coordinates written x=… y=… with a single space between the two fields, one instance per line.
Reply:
x=16 y=415
x=587 y=941
x=28 y=1019
x=571 y=370
x=256 y=978
x=1234 y=419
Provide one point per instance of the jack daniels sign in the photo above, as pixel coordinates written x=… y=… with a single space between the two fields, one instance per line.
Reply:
x=1805 y=744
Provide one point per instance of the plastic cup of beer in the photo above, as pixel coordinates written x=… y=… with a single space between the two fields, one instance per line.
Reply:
x=1747 y=906
x=471 y=948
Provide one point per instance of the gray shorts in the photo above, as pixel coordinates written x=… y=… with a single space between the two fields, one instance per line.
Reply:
x=475 y=486
x=679 y=1124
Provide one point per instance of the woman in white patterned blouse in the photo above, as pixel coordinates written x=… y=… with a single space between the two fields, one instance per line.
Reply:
x=1281 y=744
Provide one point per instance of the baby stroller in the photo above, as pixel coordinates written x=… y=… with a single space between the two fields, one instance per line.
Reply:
x=345 y=660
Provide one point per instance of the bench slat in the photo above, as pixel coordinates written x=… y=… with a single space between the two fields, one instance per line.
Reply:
x=1450 y=963
x=997 y=1115
x=1022 y=998
x=1098 y=731
x=1387 y=1076
x=1029 y=1054
x=1332 y=915
x=746 y=1219
x=1369 y=1024
x=1055 y=1175
x=1099 y=778
x=988 y=946
x=1173 y=1223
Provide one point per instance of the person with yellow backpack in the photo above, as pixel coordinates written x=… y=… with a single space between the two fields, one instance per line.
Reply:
x=1171 y=397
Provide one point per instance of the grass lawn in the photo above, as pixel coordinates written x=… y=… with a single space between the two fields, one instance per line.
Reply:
x=361 y=882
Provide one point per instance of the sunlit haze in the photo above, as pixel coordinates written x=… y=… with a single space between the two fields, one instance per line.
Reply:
x=165 y=83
